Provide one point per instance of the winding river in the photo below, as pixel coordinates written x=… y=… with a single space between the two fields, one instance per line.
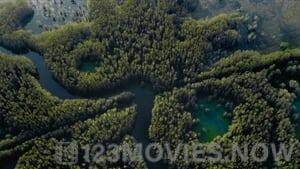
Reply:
x=58 y=14
x=296 y=105
x=5 y=51
x=144 y=97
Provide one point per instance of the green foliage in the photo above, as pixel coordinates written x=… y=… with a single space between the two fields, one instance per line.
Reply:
x=40 y=156
x=107 y=127
x=129 y=45
x=252 y=116
x=261 y=111
x=249 y=61
x=26 y=106
x=104 y=128
x=28 y=111
x=14 y=16
x=17 y=41
x=64 y=38
x=189 y=5
x=156 y=43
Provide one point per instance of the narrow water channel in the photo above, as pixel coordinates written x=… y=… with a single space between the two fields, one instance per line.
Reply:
x=46 y=80
x=296 y=104
x=144 y=97
x=49 y=15
x=212 y=122
x=5 y=51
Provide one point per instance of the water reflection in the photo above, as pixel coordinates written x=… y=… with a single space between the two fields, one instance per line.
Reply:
x=279 y=20
x=212 y=118
x=50 y=14
x=5 y=51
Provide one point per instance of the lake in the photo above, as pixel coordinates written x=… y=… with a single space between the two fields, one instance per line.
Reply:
x=88 y=67
x=276 y=20
x=212 y=122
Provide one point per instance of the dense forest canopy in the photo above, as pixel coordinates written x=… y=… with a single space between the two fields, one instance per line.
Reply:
x=142 y=41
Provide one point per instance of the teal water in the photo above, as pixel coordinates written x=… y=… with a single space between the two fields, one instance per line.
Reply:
x=2 y=133
x=4 y=51
x=89 y=67
x=212 y=121
x=144 y=97
x=297 y=121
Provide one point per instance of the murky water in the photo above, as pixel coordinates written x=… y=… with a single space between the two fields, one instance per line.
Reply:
x=5 y=51
x=144 y=97
x=297 y=117
x=278 y=20
x=2 y=133
x=46 y=79
x=212 y=119
x=50 y=14
x=89 y=67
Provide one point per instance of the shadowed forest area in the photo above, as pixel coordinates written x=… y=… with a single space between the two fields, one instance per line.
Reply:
x=138 y=71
